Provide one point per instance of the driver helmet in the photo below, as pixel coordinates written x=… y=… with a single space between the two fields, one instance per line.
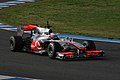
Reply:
x=54 y=36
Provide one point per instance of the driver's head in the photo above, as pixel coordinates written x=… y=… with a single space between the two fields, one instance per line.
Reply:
x=54 y=36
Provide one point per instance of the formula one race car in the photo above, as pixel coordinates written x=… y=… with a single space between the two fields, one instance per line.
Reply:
x=33 y=38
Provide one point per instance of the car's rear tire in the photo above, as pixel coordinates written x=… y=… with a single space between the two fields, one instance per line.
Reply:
x=53 y=48
x=90 y=45
x=16 y=43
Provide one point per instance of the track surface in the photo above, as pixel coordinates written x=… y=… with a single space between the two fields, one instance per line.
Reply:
x=5 y=0
x=41 y=67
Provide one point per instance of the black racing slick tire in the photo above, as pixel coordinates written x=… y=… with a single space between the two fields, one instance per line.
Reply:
x=53 y=48
x=90 y=45
x=16 y=43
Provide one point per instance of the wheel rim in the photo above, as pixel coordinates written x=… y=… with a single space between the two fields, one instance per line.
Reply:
x=11 y=44
x=85 y=44
x=50 y=51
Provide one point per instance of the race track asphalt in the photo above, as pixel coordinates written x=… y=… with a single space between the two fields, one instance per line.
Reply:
x=41 y=67
x=5 y=0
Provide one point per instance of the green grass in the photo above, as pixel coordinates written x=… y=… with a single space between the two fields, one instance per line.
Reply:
x=99 y=18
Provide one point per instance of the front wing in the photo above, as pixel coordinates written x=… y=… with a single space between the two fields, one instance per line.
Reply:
x=72 y=55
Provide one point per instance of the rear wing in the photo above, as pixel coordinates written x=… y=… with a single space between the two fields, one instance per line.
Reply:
x=30 y=27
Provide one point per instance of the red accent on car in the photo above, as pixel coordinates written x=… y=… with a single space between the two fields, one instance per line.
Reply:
x=35 y=45
x=94 y=53
x=68 y=54
x=29 y=27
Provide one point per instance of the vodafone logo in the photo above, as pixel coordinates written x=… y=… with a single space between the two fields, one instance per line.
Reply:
x=35 y=45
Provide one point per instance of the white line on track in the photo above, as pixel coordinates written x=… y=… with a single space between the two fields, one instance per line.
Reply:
x=15 y=78
x=12 y=3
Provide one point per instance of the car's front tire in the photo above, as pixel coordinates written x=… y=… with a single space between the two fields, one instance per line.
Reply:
x=53 y=48
x=90 y=45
